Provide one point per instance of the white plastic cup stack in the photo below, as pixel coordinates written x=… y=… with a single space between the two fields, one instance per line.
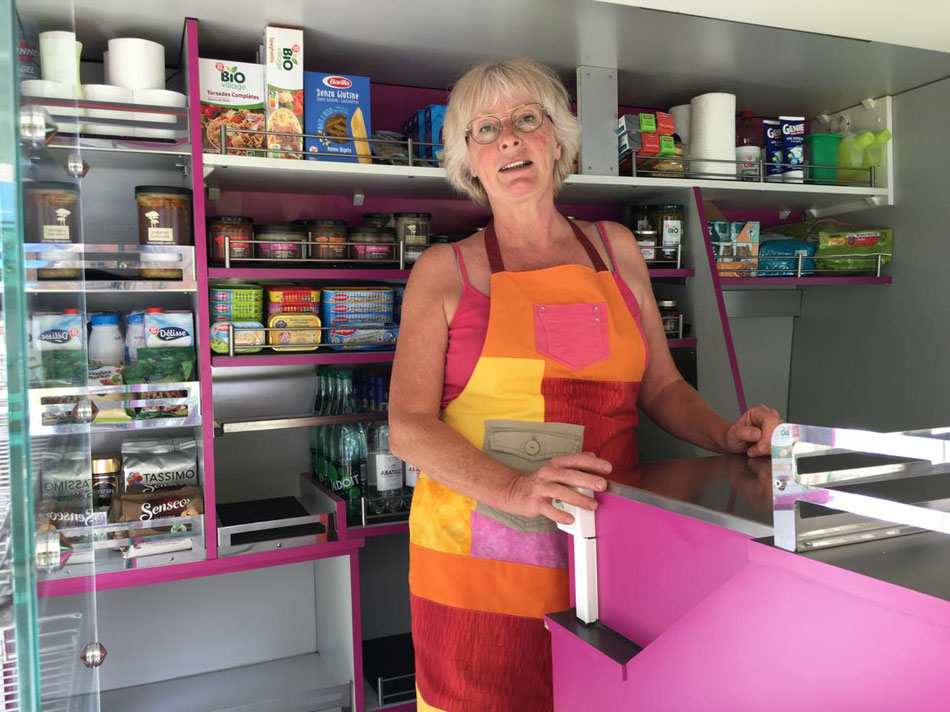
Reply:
x=136 y=64
x=106 y=92
x=157 y=97
x=712 y=132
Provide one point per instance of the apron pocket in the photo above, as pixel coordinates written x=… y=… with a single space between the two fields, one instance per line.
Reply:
x=572 y=334
x=526 y=446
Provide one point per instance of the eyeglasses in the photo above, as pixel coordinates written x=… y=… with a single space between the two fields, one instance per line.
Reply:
x=525 y=118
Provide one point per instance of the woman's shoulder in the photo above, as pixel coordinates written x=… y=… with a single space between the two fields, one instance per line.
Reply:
x=622 y=244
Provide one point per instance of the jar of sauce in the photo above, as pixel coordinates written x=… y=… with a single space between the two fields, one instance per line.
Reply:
x=670 y=316
x=164 y=215
x=640 y=217
x=646 y=240
x=379 y=220
x=667 y=220
x=280 y=242
x=330 y=239
x=237 y=229
x=413 y=228
x=374 y=243
x=50 y=212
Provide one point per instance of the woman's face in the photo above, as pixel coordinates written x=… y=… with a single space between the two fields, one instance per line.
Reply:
x=516 y=165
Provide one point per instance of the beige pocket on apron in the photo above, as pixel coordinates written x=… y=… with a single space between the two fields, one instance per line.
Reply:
x=526 y=446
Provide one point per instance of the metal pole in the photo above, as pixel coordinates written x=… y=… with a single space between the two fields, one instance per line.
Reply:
x=223 y=139
x=230 y=339
x=799 y=269
x=227 y=252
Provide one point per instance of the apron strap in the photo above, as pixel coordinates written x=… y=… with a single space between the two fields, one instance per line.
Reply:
x=497 y=264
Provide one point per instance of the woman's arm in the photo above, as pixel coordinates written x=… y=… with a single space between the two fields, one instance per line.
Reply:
x=417 y=435
x=665 y=397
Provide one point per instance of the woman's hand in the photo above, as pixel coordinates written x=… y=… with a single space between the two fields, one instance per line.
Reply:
x=531 y=495
x=753 y=428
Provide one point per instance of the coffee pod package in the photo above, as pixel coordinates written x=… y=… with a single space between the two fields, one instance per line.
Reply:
x=157 y=464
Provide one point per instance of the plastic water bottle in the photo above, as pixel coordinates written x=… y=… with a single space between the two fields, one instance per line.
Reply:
x=134 y=335
x=748 y=147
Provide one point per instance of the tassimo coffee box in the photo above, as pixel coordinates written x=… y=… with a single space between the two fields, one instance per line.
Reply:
x=337 y=107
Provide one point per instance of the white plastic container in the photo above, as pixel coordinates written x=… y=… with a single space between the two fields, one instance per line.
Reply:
x=134 y=335
x=106 y=346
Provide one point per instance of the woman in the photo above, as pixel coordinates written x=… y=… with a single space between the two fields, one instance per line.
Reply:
x=522 y=357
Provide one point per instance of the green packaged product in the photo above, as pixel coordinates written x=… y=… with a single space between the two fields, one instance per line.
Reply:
x=169 y=365
x=854 y=250
x=64 y=368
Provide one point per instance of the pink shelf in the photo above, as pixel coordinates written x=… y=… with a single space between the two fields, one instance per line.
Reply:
x=681 y=343
x=658 y=273
x=304 y=359
x=378 y=530
x=341 y=275
x=798 y=281
x=196 y=569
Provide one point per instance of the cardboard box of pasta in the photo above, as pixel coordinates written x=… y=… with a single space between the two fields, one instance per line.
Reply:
x=337 y=108
x=232 y=95
x=283 y=84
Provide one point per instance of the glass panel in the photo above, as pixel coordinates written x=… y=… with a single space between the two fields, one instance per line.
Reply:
x=51 y=495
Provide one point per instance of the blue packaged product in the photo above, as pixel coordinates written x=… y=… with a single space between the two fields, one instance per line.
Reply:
x=793 y=148
x=415 y=128
x=779 y=257
x=337 y=106
x=774 y=150
x=434 y=118
x=350 y=338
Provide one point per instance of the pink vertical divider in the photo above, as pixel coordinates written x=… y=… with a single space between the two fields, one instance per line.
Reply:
x=714 y=273
x=201 y=267
x=357 y=631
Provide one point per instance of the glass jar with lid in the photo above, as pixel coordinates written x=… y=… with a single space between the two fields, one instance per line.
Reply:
x=105 y=479
x=379 y=220
x=373 y=244
x=640 y=217
x=646 y=241
x=667 y=220
x=280 y=242
x=164 y=215
x=413 y=228
x=327 y=239
x=670 y=316
x=50 y=212
x=237 y=229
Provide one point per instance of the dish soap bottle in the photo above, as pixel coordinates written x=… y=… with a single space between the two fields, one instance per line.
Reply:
x=874 y=153
x=851 y=156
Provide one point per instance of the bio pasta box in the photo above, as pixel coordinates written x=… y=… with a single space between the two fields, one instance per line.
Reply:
x=283 y=83
x=232 y=95
x=337 y=107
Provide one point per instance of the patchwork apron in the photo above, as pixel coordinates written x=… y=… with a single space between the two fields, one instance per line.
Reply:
x=559 y=373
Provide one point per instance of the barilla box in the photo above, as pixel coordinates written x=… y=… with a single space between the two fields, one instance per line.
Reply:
x=740 y=256
x=337 y=107
x=434 y=119
x=414 y=128
x=232 y=95
x=283 y=84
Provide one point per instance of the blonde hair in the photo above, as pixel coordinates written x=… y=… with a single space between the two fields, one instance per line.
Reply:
x=488 y=83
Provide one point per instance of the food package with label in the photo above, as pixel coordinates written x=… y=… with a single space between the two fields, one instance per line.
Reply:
x=249 y=337
x=779 y=257
x=182 y=503
x=168 y=329
x=155 y=464
x=232 y=95
x=293 y=294
x=738 y=256
x=58 y=350
x=283 y=91
x=356 y=339
x=337 y=108
x=853 y=248
x=65 y=472
x=414 y=128
x=300 y=332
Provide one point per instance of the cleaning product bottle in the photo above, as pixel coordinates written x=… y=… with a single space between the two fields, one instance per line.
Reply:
x=748 y=147
x=851 y=155
x=874 y=153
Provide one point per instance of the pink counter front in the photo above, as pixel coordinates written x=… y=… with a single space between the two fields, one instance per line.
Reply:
x=698 y=611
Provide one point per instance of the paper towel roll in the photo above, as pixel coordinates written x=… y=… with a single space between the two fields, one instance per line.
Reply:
x=105 y=92
x=136 y=64
x=157 y=97
x=43 y=88
x=681 y=121
x=712 y=133
x=59 y=57
x=106 y=74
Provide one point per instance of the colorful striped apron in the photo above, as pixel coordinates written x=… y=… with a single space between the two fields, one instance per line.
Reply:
x=559 y=373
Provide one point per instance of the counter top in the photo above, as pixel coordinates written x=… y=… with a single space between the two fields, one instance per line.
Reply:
x=735 y=492
x=731 y=491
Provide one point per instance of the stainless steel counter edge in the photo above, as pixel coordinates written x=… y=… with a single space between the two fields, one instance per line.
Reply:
x=755 y=530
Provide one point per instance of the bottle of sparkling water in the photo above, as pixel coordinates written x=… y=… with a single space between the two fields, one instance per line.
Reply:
x=347 y=468
x=321 y=434
x=386 y=471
